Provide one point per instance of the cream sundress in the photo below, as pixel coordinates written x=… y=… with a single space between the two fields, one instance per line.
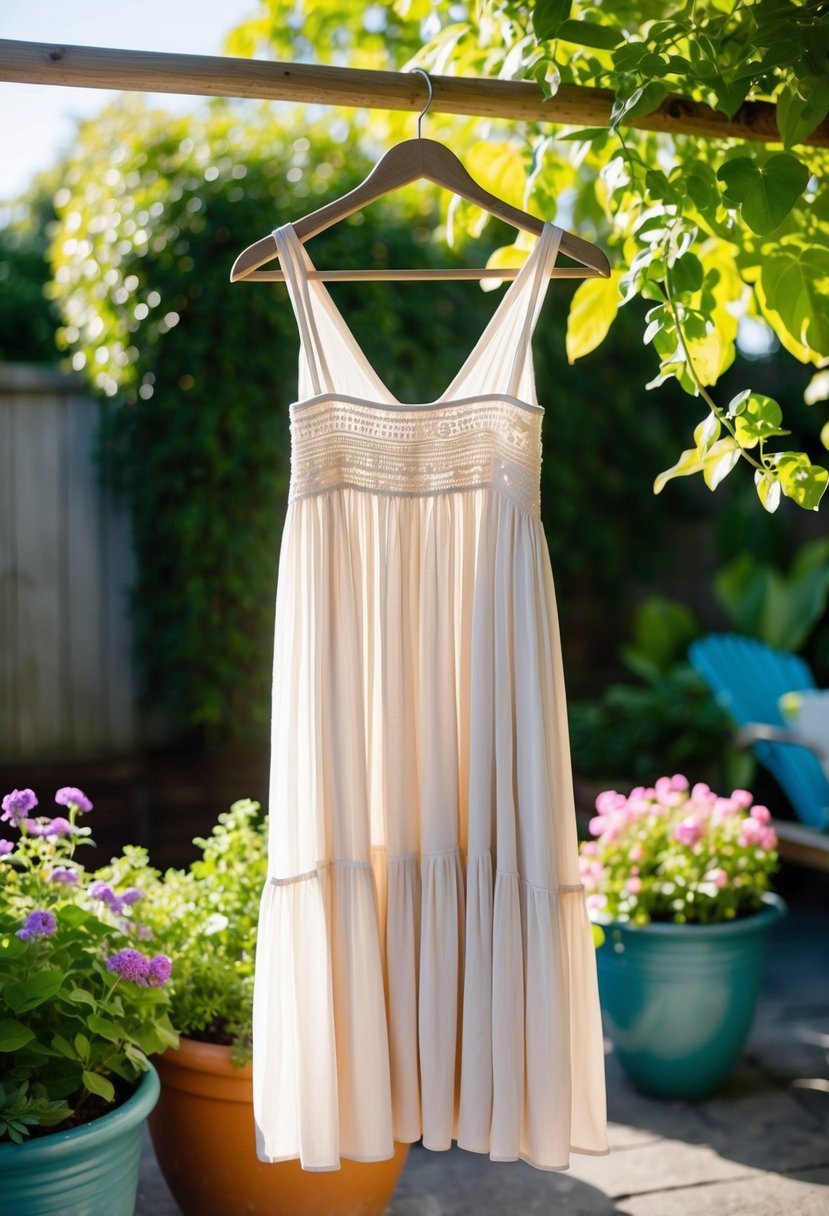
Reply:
x=425 y=964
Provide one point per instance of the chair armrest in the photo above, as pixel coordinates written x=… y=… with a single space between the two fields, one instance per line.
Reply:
x=763 y=732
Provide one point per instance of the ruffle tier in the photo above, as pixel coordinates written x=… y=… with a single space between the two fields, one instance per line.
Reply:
x=452 y=1011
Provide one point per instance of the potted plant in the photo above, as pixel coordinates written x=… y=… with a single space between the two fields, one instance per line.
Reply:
x=206 y=917
x=82 y=1006
x=678 y=879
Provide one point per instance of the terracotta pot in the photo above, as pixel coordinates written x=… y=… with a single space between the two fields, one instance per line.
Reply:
x=203 y=1134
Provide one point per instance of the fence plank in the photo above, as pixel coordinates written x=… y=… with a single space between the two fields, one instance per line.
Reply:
x=66 y=683
x=8 y=582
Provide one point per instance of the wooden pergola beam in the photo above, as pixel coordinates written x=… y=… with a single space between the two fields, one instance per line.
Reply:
x=226 y=76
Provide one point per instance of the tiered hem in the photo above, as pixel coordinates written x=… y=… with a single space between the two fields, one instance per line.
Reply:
x=459 y=1031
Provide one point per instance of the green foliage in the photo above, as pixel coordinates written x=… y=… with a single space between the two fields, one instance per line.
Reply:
x=671 y=722
x=781 y=608
x=205 y=918
x=667 y=852
x=74 y=1035
x=663 y=630
x=27 y=320
x=706 y=229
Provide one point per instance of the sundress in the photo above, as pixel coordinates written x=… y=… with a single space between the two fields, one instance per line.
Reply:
x=425 y=967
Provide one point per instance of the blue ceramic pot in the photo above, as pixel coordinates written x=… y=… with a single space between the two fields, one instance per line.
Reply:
x=678 y=1000
x=91 y=1170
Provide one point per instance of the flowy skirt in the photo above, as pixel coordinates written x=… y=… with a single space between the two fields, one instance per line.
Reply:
x=425 y=964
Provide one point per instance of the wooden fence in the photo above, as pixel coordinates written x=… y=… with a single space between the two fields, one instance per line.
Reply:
x=66 y=681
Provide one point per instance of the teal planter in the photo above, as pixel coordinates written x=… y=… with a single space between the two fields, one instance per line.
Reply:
x=90 y=1170
x=678 y=1000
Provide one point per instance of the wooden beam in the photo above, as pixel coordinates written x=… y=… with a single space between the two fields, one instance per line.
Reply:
x=225 y=76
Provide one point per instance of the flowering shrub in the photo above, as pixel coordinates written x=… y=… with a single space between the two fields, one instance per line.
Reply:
x=205 y=917
x=674 y=853
x=81 y=1007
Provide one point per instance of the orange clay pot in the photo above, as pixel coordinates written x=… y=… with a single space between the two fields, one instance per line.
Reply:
x=203 y=1135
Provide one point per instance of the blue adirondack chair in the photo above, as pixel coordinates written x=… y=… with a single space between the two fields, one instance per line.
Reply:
x=748 y=679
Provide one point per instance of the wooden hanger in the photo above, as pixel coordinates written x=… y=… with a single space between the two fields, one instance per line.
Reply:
x=413 y=160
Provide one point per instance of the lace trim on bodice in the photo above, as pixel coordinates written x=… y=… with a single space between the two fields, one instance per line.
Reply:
x=339 y=442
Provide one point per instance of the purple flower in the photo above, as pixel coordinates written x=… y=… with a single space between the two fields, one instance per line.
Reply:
x=6 y=847
x=17 y=804
x=38 y=924
x=56 y=827
x=131 y=895
x=160 y=968
x=61 y=874
x=130 y=965
x=70 y=796
x=104 y=892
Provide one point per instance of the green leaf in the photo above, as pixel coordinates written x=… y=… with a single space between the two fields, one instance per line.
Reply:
x=768 y=490
x=14 y=1035
x=707 y=433
x=805 y=483
x=107 y=1030
x=589 y=33
x=585 y=136
x=80 y=997
x=96 y=1084
x=824 y=434
x=764 y=192
x=592 y=311
x=737 y=405
x=64 y=1047
x=760 y=419
x=701 y=184
x=35 y=990
x=82 y=1045
x=548 y=16
x=719 y=461
x=792 y=288
x=598 y=935
x=687 y=273
x=688 y=463
x=800 y=110
x=641 y=101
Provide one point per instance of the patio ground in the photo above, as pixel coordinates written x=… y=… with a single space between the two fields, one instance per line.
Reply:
x=760 y=1147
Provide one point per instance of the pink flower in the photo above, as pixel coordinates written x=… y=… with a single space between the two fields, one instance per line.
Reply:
x=588 y=848
x=761 y=812
x=57 y=827
x=596 y=902
x=6 y=847
x=756 y=832
x=717 y=876
x=634 y=885
x=700 y=790
x=742 y=798
x=597 y=825
x=636 y=852
x=606 y=801
x=679 y=782
x=688 y=830
x=663 y=788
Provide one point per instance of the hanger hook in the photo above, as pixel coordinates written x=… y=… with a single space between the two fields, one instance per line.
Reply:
x=422 y=113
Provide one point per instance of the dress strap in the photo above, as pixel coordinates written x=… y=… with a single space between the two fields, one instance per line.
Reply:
x=535 y=292
x=295 y=268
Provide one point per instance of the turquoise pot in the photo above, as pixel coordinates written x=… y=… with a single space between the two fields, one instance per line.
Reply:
x=91 y=1170
x=678 y=1000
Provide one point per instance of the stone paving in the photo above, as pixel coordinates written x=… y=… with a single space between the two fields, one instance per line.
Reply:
x=760 y=1147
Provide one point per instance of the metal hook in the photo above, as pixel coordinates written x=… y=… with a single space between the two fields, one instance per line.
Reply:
x=422 y=113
